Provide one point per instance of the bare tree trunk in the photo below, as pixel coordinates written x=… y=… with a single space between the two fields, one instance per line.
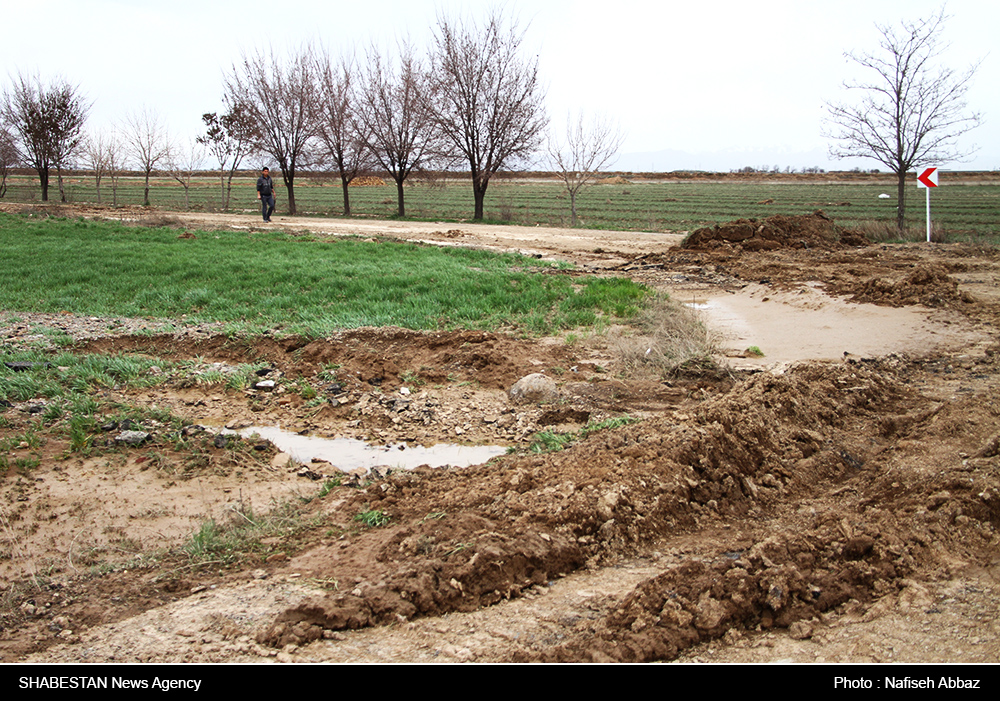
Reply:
x=900 y=202
x=43 y=178
x=62 y=190
x=401 y=210
x=145 y=195
x=291 y=196
x=572 y=207
x=345 y=184
x=479 y=194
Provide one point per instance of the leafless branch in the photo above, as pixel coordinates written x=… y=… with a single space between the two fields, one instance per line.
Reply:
x=341 y=134
x=394 y=115
x=148 y=144
x=488 y=99
x=589 y=149
x=278 y=95
x=46 y=122
x=912 y=111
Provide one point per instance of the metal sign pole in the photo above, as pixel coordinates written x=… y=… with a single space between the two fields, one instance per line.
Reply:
x=927 y=180
x=928 y=191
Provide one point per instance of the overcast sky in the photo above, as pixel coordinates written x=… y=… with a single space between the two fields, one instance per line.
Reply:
x=716 y=85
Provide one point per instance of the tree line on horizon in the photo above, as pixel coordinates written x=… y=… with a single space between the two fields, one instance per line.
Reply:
x=473 y=101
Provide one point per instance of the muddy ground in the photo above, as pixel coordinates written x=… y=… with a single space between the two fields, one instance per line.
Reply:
x=834 y=499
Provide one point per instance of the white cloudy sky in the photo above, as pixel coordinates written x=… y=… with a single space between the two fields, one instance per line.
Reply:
x=716 y=85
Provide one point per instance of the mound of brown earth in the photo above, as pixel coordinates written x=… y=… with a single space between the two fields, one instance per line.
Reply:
x=928 y=284
x=515 y=523
x=780 y=231
x=615 y=180
x=368 y=181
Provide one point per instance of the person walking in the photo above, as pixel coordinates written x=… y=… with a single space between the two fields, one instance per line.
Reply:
x=265 y=193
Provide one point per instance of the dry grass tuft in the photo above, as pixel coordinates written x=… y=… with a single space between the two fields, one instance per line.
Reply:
x=886 y=231
x=160 y=221
x=667 y=339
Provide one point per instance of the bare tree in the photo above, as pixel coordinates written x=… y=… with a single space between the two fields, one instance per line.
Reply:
x=117 y=157
x=148 y=144
x=912 y=110
x=8 y=158
x=230 y=138
x=589 y=149
x=341 y=135
x=47 y=123
x=95 y=152
x=488 y=100
x=277 y=96
x=394 y=116
x=182 y=162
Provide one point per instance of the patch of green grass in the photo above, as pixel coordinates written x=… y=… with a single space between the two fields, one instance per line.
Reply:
x=27 y=464
x=240 y=537
x=373 y=518
x=755 y=350
x=411 y=378
x=553 y=441
x=299 y=284
x=328 y=372
x=28 y=439
x=305 y=390
x=72 y=385
x=328 y=486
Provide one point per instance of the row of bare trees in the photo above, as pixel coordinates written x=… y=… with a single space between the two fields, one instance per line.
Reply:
x=473 y=101
x=42 y=126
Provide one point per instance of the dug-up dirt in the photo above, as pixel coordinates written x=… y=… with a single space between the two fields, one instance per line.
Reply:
x=835 y=501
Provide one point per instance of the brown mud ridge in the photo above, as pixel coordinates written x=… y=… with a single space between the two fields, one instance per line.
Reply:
x=742 y=457
x=761 y=506
x=780 y=231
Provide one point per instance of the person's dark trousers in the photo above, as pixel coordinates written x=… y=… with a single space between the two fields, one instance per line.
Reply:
x=267 y=206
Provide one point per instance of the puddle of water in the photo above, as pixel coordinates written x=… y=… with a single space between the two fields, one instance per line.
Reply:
x=350 y=454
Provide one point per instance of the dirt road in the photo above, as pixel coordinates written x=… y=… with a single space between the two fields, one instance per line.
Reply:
x=834 y=499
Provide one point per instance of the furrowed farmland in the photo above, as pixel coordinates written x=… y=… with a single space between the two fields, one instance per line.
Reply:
x=966 y=206
x=726 y=418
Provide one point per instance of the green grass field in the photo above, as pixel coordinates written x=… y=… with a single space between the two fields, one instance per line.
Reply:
x=295 y=283
x=963 y=211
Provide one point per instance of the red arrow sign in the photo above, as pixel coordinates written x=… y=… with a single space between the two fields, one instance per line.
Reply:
x=929 y=178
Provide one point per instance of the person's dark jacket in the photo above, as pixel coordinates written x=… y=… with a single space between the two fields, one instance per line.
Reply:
x=265 y=186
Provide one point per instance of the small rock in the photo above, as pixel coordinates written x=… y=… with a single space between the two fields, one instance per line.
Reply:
x=800 y=630
x=266 y=385
x=132 y=437
x=536 y=388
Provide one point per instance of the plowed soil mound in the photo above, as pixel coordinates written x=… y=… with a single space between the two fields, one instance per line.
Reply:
x=814 y=231
x=928 y=284
x=459 y=540
x=374 y=356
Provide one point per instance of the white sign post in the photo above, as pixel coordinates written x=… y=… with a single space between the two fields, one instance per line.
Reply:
x=927 y=180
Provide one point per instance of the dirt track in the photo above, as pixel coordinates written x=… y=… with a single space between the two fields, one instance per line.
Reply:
x=834 y=500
